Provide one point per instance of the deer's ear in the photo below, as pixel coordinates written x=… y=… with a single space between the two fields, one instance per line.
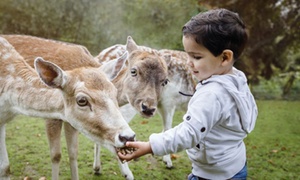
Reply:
x=113 y=68
x=167 y=58
x=131 y=45
x=49 y=73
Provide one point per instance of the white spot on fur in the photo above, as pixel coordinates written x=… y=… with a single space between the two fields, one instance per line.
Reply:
x=4 y=42
x=9 y=78
x=19 y=79
x=11 y=68
x=6 y=56
x=79 y=84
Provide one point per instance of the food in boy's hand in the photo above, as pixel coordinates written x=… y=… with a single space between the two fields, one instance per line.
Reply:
x=126 y=150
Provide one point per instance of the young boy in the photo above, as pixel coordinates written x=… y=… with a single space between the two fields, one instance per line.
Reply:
x=221 y=112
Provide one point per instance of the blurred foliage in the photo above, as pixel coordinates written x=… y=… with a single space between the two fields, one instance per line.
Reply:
x=273 y=25
x=274 y=34
x=98 y=24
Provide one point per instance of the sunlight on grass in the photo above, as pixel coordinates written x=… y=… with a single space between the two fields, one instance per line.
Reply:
x=272 y=148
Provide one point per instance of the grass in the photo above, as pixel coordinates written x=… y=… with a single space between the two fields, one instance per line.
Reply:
x=272 y=149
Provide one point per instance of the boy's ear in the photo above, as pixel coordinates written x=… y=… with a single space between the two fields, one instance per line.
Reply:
x=227 y=56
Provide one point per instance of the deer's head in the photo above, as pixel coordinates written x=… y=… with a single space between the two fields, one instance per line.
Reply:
x=142 y=76
x=145 y=78
x=90 y=102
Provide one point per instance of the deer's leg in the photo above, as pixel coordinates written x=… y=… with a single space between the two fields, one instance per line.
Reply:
x=167 y=113
x=72 y=144
x=125 y=171
x=4 y=162
x=53 y=131
x=97 y=160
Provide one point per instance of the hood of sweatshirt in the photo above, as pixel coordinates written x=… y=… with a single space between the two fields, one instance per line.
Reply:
x=236 y=85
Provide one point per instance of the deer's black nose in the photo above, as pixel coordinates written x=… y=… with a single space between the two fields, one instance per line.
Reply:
x=148 y=111
x=124 y=139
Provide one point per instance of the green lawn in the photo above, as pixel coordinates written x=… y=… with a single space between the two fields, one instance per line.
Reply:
x=273 y=148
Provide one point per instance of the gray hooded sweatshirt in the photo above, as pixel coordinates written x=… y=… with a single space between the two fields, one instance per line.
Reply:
x=220 y=115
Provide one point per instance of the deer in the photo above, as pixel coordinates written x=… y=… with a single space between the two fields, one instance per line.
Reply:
x=139 y=82
x=83 y=97
x=175 y=96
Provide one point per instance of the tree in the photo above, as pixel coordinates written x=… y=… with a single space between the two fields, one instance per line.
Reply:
x=274 y=34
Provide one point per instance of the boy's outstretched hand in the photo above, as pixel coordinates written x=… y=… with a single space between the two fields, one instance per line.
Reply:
x=141 y=148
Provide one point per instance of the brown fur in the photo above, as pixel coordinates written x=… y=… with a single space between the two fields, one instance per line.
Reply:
x=66 y=55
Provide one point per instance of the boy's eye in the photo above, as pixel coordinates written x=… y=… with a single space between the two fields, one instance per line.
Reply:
x=194 y=56
x=197 y=57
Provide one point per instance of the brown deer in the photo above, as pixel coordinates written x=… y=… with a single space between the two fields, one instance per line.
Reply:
x=139 y=83
x=174 y=97
x=83 y=97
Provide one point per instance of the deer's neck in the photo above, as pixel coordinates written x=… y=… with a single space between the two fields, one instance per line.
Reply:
x=27 y=95
x=32 y=101
x=119 y=84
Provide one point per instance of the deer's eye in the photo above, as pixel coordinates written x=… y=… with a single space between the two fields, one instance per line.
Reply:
x=82 y=101
x=165 y=82
x=133 y=72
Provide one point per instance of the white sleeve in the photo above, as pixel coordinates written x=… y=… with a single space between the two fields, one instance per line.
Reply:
x=203 y=112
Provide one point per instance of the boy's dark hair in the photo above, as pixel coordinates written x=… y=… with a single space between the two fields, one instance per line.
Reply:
x=218 y=30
